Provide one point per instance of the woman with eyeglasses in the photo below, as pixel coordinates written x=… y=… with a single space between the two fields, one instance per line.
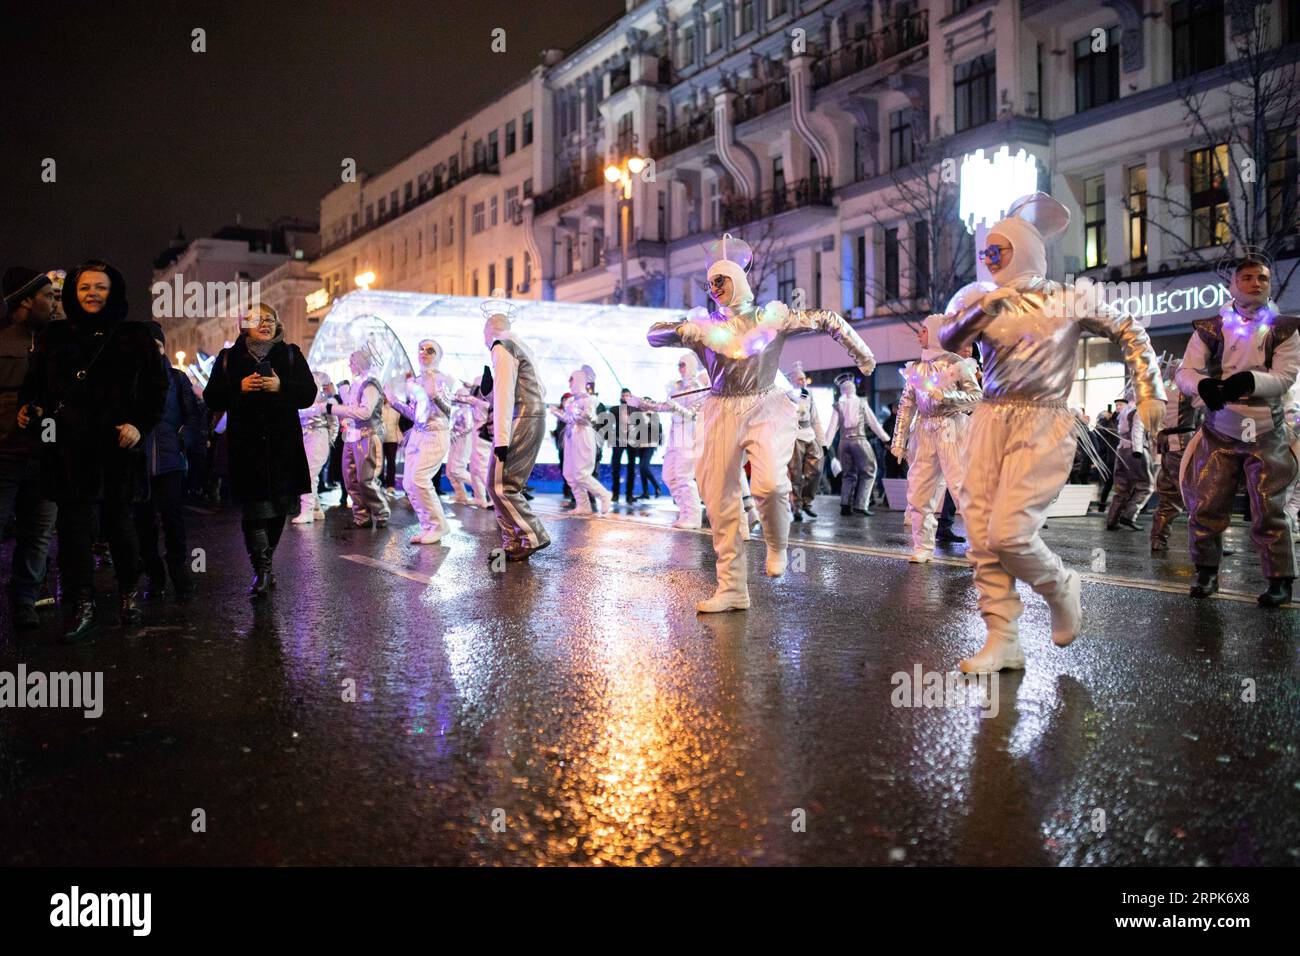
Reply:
x=428 y=405
x=261 y=382
x=1023 y=435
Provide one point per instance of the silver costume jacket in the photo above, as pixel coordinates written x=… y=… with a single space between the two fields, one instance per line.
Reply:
x=936 y=389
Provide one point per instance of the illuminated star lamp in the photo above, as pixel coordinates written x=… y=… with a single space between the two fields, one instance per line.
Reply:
x=988 y=186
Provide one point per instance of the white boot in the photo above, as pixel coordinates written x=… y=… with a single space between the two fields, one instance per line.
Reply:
x=921 y=557
x=723 y=601
x=432 y=536
x=776 y=561
x=1001 y=651
x=605 y=504
x=305 y=517
x=688 y=523
x=1067 y=611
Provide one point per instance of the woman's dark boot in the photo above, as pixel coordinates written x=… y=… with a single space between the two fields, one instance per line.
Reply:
x=130 y=614
x=83 y=620
x=1278 y=593
x=261 y=586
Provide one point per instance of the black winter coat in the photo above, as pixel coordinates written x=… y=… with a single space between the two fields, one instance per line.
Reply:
x=264 y=435
x=127 y=384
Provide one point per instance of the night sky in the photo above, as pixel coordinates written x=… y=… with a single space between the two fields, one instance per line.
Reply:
x=148 y=136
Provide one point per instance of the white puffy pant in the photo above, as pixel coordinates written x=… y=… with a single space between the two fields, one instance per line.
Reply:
x=763 y=429
x=458 y=465
x=316 y=442
x=939 y=464
x=1020 y=456
x=480 y=463
x=424 y=453
x=679 y=473
x=579 y=461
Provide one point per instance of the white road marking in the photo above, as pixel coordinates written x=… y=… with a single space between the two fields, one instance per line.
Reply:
x=1240 y=597
x=397 y=569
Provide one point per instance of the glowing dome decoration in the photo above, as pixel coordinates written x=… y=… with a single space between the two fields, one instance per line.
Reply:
x=562 y=335
x=988 y=186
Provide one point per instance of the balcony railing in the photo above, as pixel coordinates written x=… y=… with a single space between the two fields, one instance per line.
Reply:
x=771 y=96
x=695 y=130
x=557 y=195
x=856 y=55
x=439 y=187
x=805 y=192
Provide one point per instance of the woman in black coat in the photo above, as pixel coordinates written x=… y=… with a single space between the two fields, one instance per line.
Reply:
x=260 y=382
x=97 y=380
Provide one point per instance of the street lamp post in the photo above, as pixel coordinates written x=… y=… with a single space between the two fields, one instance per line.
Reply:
x=621 y=176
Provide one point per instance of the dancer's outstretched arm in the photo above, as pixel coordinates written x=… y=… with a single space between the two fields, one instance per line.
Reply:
x=833 y=324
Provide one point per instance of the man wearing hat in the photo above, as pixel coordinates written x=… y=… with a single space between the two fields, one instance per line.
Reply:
x=29 y=305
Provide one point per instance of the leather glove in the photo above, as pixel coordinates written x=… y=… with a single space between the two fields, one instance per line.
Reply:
x=1151 y=412
x=1236 y=387
x=1211 y=392
x=501 y=451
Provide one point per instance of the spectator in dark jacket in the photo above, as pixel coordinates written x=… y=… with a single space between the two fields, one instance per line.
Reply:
x=164 y=449
x=260 y=382
x=96 y=378
x=29 y=300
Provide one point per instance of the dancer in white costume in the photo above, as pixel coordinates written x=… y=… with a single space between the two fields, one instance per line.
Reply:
x=679 y=456
x=809 y=447
x=579 y=417
x=462 y=428
x=745 y=414
x=1291 y=410
x=428 y=406
x=319 y=429
x=933 y=431
x=853 y=414
x=480 y=447
x=1023 y=435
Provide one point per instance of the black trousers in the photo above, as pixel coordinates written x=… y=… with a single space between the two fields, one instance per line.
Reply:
x=648 y=479
x=947 y=514
x=76 y=527
x=167 y=502
x=616 y=463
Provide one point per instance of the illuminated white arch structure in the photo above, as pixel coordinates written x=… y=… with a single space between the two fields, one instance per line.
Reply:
x=563 y=336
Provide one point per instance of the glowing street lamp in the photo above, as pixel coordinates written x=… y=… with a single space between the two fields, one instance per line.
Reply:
x=180 y=358
x=621 y=175
x=365 y=280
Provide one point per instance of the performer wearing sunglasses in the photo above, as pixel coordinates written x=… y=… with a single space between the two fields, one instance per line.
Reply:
x=1023 y=435
x=745 y=414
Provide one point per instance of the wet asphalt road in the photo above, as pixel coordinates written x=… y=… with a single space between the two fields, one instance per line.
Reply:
x=577 y=711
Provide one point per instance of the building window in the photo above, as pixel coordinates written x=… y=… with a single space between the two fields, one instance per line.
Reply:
x=451 y=230
x=961 y=6
x=453 y=169
x=1094 y=222
x=785 y=280
x=433 y=238
x=715 y=203
x=625 y=134
x=1198 y=36
x=891 y=263
x=973 y=84
x=686 y=49
x=1282 y=178
x=478 y=219
x=492 y=211
x=479 y=152
x=1137 y=213
x=528 y=128
x=492 y=278
x=510 y=276
x=392 y=203
x=902 y=150
x=568 y=255
x=510 y=137
x=778 y=177
x=1209 y=194
x=777 y=8
x=406 y=196
x=492 y=157
x=383 y=207
x=512 y=204
x=1096 y=72
x=713 y=35
x=744 y=11
x=921 y=238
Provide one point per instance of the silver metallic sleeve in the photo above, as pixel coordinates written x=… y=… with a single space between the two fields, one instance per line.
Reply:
x=903 y=421
x=833 y=324
x=1134 y=342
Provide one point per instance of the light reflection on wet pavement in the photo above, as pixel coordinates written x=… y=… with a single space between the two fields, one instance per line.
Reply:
x=577 y=711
